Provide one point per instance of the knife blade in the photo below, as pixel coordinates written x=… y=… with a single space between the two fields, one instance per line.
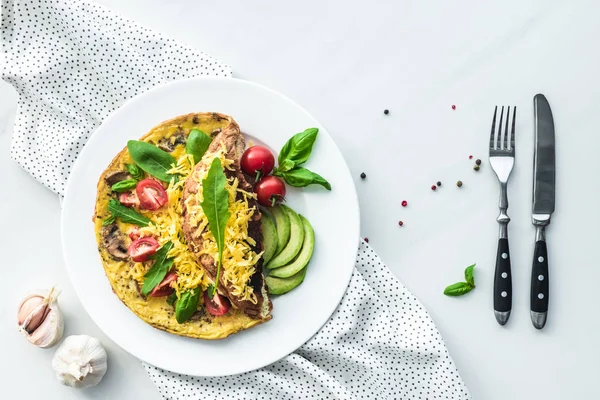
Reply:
x=544 y=174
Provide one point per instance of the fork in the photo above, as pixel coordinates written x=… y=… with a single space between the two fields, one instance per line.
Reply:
x=502 y=159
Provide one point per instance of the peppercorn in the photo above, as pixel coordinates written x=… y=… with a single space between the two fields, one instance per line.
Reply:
x=476 y=167
x=439 y=183
x=386 y=112
x=478 y=161
x=454 y=106
x=367 y=239
x=470 y=157
x=400 y=223
x=459 y=183
x=404 y=203
x=363 y=175
x=433 y=187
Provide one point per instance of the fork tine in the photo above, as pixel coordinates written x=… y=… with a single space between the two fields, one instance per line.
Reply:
x=493 y=129
x=506 y=128
x=499 y=137
x=512 y=132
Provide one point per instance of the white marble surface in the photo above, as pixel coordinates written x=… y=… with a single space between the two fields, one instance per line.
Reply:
x=346 y=62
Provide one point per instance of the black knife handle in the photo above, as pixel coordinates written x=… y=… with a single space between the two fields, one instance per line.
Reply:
x=539 y=285
x=502 y=281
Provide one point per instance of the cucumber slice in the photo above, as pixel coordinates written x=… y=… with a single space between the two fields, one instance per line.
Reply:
x=269 y=237
x=282 y=224
x=292 y=248
x=284 y=285
x=303 y=257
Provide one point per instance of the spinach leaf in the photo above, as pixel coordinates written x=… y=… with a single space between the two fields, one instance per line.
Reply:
x=125 y=214
x=197 y=144
x=135 y=172
x=124 y=186
x=216 y=207
x=159 y=269
x=187 y=305
x=108 y=220
x=172 y=299
x=302 y=177
x=151 y=159
x=298 y=148
x=469 y=275
x=458 y=289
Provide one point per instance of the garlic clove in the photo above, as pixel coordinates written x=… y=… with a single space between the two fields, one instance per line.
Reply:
x=40 y=318
x=80 y=361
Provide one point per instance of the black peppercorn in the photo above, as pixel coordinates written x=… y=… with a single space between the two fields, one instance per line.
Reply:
x=478 y=161
x=459 y=183
x=363 y=175
x=386 y=112
x=439 y=183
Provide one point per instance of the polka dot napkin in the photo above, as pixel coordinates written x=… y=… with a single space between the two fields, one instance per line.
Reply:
x=379 y=344
x=72 y=64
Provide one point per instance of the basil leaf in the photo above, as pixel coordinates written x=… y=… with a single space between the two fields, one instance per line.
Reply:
x=151 y=159
x=159 y=269
x=135 y=171
x=187 y=305
x=197 y=144
x=286 y=165
x=469 y=277
x=172 y=299
x=125 y=214
x=299 y=147
x=108 y=220
x=458 y=289
x=124 y=186
x=216 y=206
x=302 y=177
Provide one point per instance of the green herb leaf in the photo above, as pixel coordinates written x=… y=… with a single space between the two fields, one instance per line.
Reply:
x=108 y=220
x=187 y=305
x=216 y=207
x=135 y=171
x=458 y=289
x=124 y=186
x=172 y=299
x=125 y=214
x=302 y=177
x=469 y=277
x=159 y=269
x=286 y=165
x=298 y=148
x=197 y=144
x=151 y=159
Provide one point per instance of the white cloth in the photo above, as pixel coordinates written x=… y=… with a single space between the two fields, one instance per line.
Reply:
x=73 y=63
x=379 y=344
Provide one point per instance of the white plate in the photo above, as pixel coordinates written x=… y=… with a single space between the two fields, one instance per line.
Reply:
x=269 y=118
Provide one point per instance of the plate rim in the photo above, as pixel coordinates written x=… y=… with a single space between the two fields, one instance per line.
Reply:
x=94 y=137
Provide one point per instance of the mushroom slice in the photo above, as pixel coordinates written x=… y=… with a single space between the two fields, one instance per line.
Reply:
x=114 y=242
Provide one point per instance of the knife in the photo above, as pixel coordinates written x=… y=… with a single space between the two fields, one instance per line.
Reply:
x=543 y=206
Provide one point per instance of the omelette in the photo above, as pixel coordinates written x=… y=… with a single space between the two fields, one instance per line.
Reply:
x=153 y=238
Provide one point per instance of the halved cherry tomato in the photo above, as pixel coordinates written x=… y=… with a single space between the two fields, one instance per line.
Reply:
x=257 y=161
x=218 y=305
x=152 y=194
x=164 y=287
x=270 y=190
x=129 y=199
x=134 y=232
x=141 y=249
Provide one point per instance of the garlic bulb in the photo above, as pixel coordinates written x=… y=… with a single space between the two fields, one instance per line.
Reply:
x=40 y=319
x=80 y=361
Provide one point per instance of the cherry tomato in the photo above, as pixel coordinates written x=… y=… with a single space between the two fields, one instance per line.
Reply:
x=134 y=232
x=270 y=190
x=141 y=249
x=152 y=194
x=216 y=306
x=129 y=199
x=257 y=161
x=164 y=287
